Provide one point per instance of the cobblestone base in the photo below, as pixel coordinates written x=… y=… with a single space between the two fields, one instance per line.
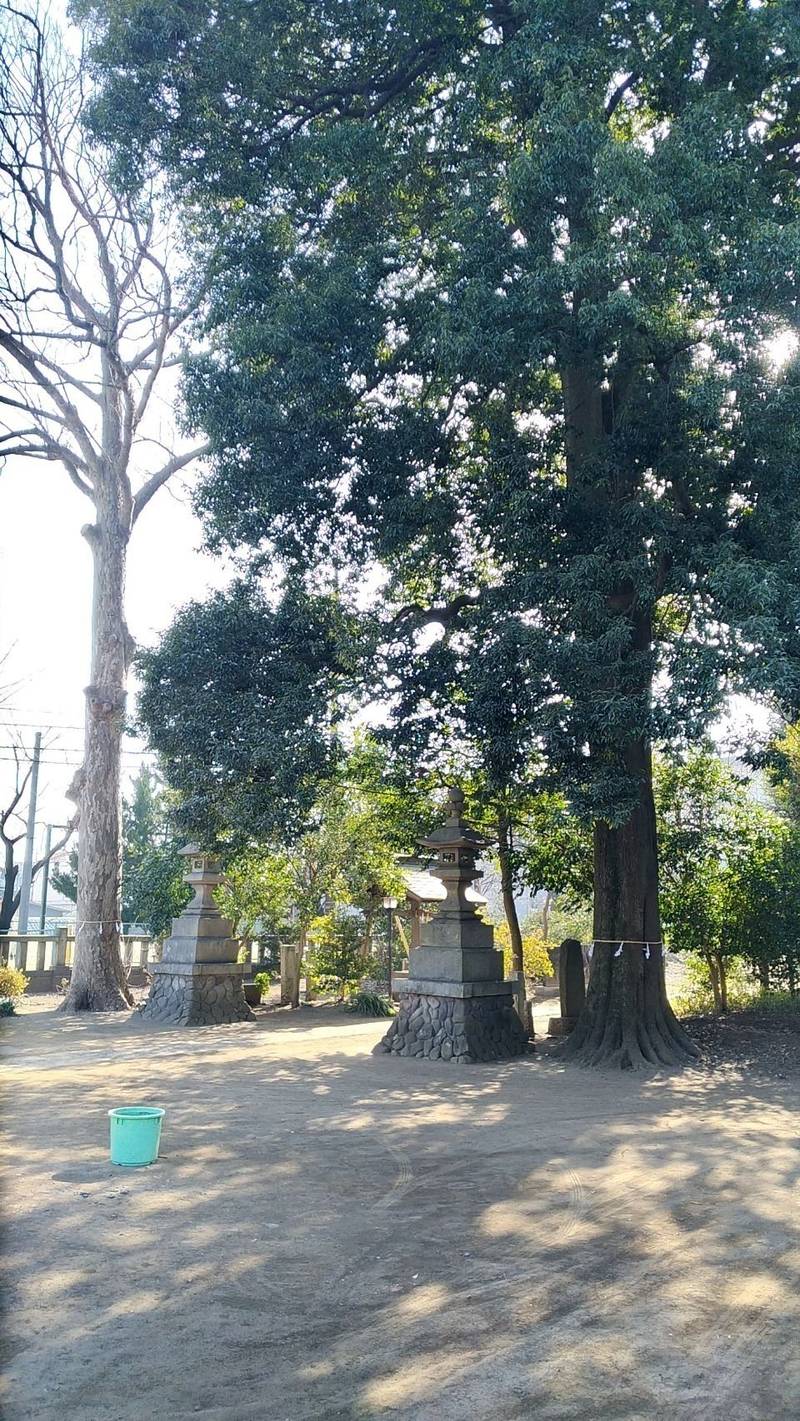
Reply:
x=454 y=1029
x=196 y=1001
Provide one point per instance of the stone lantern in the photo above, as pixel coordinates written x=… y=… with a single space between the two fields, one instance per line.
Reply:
x=455 y=1004
x=198 y=981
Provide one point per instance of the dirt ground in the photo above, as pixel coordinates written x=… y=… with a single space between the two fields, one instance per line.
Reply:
x=331 y=1235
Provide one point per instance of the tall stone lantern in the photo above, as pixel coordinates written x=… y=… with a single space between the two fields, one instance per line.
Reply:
x=198 y=981
x=455 y=1004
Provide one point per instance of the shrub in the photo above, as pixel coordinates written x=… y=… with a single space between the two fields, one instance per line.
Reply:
x=263 y=981
x=13 y=983
x=695 y=997
x=536 y=961
x=370 y=1004
x=336 y=960
x=774 y=1001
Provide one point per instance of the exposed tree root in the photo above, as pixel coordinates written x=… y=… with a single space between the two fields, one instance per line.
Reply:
x=102 y=995
x=627 y=1022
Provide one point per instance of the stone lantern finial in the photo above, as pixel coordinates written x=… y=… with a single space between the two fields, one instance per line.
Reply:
x=455 y=802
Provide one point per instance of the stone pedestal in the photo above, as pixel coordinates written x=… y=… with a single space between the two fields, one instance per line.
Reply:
x=455 y=1004
x=198 y=981
x=571 y=987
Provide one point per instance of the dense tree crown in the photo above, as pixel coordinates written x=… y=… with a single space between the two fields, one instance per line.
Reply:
x=493 y=287
x=489 y=309
x=240 y=700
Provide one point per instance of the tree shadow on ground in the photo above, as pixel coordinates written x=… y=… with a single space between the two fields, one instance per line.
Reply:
x=335 y=1235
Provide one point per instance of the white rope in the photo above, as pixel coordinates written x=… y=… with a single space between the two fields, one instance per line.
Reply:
x=630 y=941
x=98 y=923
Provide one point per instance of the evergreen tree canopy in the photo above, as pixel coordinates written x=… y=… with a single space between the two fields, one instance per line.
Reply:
x=489 y=309
x=492 y=290
x=240 y=702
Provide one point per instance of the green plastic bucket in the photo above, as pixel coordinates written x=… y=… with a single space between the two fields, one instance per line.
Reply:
x=135 y=1134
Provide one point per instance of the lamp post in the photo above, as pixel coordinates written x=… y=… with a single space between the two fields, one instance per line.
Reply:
x=390 y=904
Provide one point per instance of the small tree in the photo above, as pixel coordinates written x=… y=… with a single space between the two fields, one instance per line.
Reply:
x=257 y=893
x=336 y=957
x=764 y=906
x=153 y=887
x=89 y=318
x=720 y=852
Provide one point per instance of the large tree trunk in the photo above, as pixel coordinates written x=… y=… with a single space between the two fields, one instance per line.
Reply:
x=98 y=980
x=627 y=1020
x=507 y=890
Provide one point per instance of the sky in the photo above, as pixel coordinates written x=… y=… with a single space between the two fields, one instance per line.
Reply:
x=45 y=608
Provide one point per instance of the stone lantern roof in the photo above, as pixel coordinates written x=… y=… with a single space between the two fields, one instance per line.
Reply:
x=455 y=832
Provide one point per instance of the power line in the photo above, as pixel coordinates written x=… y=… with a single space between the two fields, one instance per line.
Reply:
x=43 y=720
x=67 y=764
x=67 y=749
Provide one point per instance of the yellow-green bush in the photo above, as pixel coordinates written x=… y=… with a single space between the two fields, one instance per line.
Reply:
x=13 y=983
x=536 y=961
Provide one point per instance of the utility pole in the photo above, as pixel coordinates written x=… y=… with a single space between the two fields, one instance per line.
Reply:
x=27 y=867
x=48 y=839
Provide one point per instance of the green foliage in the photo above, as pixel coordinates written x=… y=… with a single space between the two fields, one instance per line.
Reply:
x=7 y=1008
x=773 y=1001
x=783 y=771
x=569 y=920
x=263 y=981
x=696 y=995
x=239 y=699
x=257 y=894
x=370 y=1004
x=337 y=956
x=536 y=960
x=13 y=983
x=500 y=336
x=153 y=887
x=65 y=880
x=359 y=820
x=730 y=874
x=541 y=842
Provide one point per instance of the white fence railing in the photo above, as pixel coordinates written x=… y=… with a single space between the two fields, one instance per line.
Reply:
x=47 y=952
x=51 y=953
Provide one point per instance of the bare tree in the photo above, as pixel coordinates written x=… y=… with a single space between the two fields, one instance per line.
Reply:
x=12 y=831
x=89 y=321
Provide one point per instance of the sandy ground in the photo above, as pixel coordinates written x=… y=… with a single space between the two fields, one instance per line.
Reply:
x=333 y=1235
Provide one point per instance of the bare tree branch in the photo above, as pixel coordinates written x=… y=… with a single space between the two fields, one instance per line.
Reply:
x=157 y=481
